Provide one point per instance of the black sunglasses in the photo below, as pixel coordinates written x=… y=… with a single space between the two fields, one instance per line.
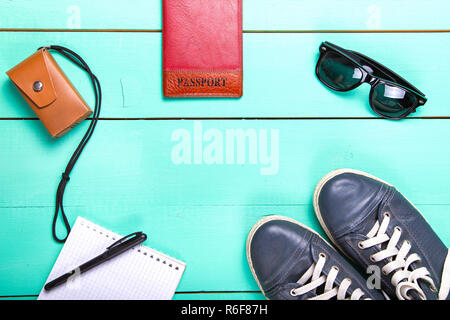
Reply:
x=391 y=96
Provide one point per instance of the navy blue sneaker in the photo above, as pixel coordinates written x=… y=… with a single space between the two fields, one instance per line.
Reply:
x=379 y=229
x=291 y=262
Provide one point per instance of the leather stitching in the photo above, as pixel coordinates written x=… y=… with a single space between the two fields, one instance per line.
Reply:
x=290 y=264
x=365 y=214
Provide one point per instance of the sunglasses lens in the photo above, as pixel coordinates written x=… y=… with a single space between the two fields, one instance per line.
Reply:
x=338 y=72
x=392 y=101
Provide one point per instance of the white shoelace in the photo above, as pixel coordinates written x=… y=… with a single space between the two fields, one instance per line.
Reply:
x=403 y=279
x=317 y=279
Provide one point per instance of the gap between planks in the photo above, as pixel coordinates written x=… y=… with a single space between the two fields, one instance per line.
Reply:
x=233 y=118
x=177 y=293
x=245 y=31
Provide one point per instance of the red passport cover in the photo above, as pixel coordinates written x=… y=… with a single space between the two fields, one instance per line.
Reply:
x=202 y=48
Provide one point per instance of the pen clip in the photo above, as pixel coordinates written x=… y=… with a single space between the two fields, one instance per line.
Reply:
x=118 y=243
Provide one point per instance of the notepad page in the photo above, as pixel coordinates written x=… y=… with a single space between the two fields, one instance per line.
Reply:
x=140 y=273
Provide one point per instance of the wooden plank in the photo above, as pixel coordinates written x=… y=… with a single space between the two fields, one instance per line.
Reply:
x=138 y=161
x=210 y=239
x=21 y=298
x=186 y=296
x=127 y=180
x=67 y=14
x=284 y=15
x=279 y=74
x=221 y=296
x=193 y=234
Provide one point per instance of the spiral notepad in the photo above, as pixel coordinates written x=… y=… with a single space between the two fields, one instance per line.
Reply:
x=138 y=274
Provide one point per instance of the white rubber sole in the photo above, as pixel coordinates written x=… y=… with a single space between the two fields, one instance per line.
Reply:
x=318 y=190
x=256 y=228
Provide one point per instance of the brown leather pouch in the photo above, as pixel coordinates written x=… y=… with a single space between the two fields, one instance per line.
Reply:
x=59 y=106
x=49 y=93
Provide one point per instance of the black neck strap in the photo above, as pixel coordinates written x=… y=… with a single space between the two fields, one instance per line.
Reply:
x=75 y=58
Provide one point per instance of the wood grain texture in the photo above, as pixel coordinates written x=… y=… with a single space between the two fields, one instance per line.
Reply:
x=279 y=77
x=258 y=14
x=184 y=296
x=132 y=162
x=189 y=233
x=127 y=180
x=178 y=231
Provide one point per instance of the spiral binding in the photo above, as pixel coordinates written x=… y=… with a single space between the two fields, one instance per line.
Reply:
x=140 y=249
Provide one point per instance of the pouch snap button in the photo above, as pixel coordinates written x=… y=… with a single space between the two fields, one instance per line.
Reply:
x=38 y=86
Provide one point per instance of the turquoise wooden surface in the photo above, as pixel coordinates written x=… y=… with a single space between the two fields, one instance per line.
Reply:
x=131 y=162
x=279 y=74
x=128 y=178
x=258 y=14
x=188 y=296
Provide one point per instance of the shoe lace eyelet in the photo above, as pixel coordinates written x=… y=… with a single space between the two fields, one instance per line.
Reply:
x=323 y=255
x=387 y=214
x=398 y=229
x=292 y=292
x=372 y=259
x=361 y=245
x=335 y=268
